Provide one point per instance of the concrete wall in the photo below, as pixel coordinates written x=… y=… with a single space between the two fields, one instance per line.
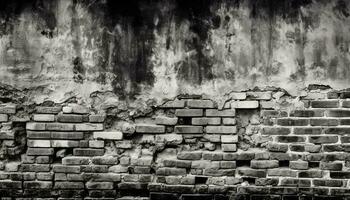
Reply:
x=159 y=49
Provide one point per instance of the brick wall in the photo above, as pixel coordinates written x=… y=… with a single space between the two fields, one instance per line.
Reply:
x=255 y=145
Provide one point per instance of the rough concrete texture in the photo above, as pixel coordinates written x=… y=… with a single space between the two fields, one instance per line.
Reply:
x=174 y=99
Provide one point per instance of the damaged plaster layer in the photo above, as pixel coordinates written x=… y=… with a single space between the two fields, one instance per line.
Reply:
x=158 y=49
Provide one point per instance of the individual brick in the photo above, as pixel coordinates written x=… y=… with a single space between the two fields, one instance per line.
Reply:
x=338 y=113
x=97 y=118
x=292 y=122
x=166 y=171
x=275 y=147
x=87 y=152
x=335 y=147
x=40 y=151
x=300 y=165
x=229 y=139
x=252 y=173
x=344 y=121
x=70 y=118
x=88 y=127
x=229 y=121
x=35 y=168
x=220 y=113
x=8 y=108
x=7 y=135
x=38 y=143
x=118 y=169
x=267 y=104
x=44 y=117
x=275 y=131
x=310 y=174
x=8 y=184
x=48 y=110
x=64 y=143
x=67 y=135
x=194 y=155
x=102 y=177
x=238 y=95
x=99 y=185
x=307 y=131
x=188 y=129
x=325 y=104
x=295 y=182
x=284 y=156
x=227 y=164
x=323 y=122
x=38 y=134
x=4 y=117
x=202 y=164
x=68 y=185
x=229 y=147
x=140 y=128
x=307 y=113
x=315 y=95
x=290 y=139
x=266 y=181
x=43 y=159
x=334 y=166
x=323 y=139
x=113 y=135
x=206 y=121
x=177 y=163
x=44 y=176
x=218 y=172
x=197 y=103
x=59 y=127
x=145 y=161
x=35 y=126
x=12 y=166
x=96 y=143
x=264 y=164
x=65 y=169
x=173 y=104
x=337 y=131
x=162 y=120
x=345 y=139
x=328 y=183
x=282 y=172
x=259 y=95
x=94 y=168
x=212 y=156
x=189 y=112
x=105 y=160
x=273 y=113
x=221 y=129
x=245 y=104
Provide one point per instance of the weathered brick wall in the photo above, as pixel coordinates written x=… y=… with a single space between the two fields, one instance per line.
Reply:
x=252 y=145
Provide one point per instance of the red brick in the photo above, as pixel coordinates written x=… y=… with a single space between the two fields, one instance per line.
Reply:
x=310 y=174
x=252 y=173
x=40 y=151
x=64 y=143
x=295 y=182
x=97 y=118
x=282 y=172
x=69 y=185
x=245 y=104
x=298 y=164
x=7 y=108
x=3 y=118
x=259 y=95
x=189 y=155
x=173 y=104
x=35 y=126
x=115 y=135
x=328 y=183
x=162 y=120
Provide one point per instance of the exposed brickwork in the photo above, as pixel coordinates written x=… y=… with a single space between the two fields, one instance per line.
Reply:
x=186 y=149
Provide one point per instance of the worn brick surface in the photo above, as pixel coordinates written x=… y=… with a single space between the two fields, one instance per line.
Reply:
x=254 y=144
